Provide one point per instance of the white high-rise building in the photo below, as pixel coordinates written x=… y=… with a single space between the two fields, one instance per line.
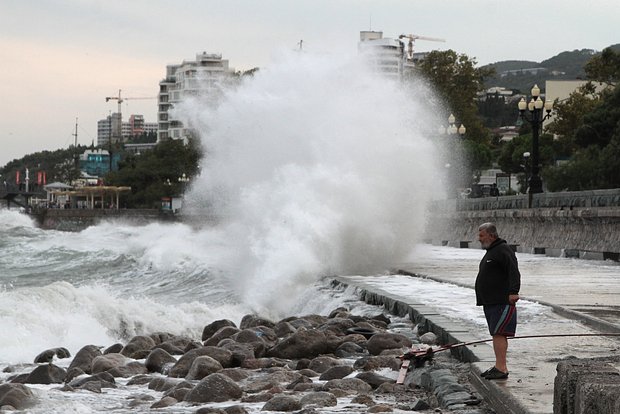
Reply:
x=384 y=54
x=202 y=78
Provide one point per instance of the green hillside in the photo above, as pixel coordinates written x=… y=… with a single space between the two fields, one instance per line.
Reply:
x=520 y=75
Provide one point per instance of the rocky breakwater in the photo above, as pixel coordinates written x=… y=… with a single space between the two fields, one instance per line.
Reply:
x=309 y=364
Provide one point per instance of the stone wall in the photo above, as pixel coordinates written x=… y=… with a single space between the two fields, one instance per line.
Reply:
x=584 y=224
x=79 y=219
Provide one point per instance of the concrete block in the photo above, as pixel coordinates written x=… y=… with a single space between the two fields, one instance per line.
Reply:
x=598 y=393
x=615 y=256
x=553 y=252
x=571 y=253
x=591 y=255
x=568 y=373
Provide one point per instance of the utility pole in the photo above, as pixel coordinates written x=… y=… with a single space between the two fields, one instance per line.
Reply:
x=76 y=157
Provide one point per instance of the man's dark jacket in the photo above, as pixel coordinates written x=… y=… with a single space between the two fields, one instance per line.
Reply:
x=498 y=276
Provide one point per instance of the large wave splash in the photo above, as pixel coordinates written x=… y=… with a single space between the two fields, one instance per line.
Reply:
x=315 y=165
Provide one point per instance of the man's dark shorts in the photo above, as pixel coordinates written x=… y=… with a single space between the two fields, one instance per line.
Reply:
x=502 y=319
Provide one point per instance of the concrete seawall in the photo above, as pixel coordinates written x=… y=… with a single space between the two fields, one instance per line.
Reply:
x=78 y=219
x=585 y=232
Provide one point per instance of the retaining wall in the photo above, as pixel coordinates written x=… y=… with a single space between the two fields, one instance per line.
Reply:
x=578 y=232
x=79 y=219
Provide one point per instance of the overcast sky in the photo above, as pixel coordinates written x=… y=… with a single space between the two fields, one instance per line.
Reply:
x=59 y=59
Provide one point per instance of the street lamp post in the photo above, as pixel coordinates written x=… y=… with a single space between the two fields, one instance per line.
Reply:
x=532 y=112
x=452 y=130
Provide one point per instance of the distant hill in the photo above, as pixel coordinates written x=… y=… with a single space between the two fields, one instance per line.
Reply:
x=520 y=75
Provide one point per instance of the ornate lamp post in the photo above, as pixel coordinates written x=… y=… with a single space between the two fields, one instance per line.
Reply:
x=452 y=130
x=532 y=112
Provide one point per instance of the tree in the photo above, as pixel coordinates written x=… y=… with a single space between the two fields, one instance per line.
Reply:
x=604 y=67
x=457 y=81
x=155 y=174
x=570 y=113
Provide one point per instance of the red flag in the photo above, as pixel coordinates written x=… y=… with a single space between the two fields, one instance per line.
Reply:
x=44 y=178
x=39 y=177
x=17 y=177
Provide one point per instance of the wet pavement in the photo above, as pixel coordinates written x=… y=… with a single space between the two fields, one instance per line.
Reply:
x=559 y=296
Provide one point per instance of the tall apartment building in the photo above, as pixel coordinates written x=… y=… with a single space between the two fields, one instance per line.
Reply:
x=202 y=78
x=112 y=126
x=386 y=55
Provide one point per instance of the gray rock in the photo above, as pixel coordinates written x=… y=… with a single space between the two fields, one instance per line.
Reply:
x=282 y=403
x=129 y=370
x=138 y=347
x=349 y=349
x=319 y=399
x=46 y=374
x=164 y=402
x=17 y=396
x=107 y=362
x=222 y=333
x=215 y=326
x=301 y=344
x=283 y=329
x=105 y=379
x=163 y=383
x=113 y=349
x=214 y=388
x=374 y=379
x=323 y=363
x=370 y=363
x=49 y=354
x=428 y=338
x=159 y=360
x=203 y=366
x=251 y=321
x=348 y=384
x=337 y=372
x=84 y=358
x=385 y=340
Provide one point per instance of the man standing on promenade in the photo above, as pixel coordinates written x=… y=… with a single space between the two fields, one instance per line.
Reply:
x=497 y=291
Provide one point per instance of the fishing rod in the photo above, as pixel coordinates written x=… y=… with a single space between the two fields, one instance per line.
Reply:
x=420 y=356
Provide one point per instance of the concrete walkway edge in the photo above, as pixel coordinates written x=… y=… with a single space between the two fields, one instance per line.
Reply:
x=498 y=398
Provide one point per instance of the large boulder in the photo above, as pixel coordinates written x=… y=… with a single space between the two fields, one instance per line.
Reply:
x=323 y=363
x=222 y=333
x=251 y=321
x=302 y=344
x=203 y=366
x=17 y=396
x=385 y=340
x=182 y=366
x=49 y=354
x=214 y=388
x=46 y=374
x=159 y=360
x=282 y=403
x=348 y=384
x=319 y=399
x=84 y=358
x=107 y=362
x=215 y=326
x=138 y=347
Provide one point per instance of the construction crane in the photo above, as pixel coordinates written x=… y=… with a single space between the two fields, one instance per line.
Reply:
x=412 y=38
x=117 y=132
x=121 y=100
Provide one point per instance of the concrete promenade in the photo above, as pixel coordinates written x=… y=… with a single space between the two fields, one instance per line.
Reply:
x=557 y=298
